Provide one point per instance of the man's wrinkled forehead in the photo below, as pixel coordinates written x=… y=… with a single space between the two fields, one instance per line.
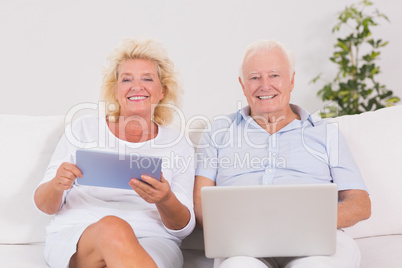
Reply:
x=263 y=52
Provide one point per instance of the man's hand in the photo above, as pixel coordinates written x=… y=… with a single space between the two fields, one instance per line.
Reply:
x=200 y=182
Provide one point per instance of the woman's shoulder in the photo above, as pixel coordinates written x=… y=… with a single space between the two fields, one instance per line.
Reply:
x=169 y=130
x=87 y=121
x=173 y=137
x=87 y=126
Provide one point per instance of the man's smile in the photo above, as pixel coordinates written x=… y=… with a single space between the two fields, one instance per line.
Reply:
x=266 y=97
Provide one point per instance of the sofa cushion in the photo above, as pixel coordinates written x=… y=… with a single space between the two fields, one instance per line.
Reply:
x=17 y=256
x=27 y=143
x=194 y=258
x=381 y=251
x=194 y=241
x=375 y=141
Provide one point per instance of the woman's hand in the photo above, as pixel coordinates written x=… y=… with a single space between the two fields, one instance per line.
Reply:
x=48 y=196
x=153 y=191
x=65 y=176
x=174 y=214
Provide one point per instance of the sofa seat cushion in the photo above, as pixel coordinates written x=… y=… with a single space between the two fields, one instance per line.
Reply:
x=380 y=251
x=27 y=144
x=31 y=256
x=194 y=258
x=17 y=256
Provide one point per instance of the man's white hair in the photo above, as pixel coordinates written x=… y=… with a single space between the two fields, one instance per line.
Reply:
x=267 y=45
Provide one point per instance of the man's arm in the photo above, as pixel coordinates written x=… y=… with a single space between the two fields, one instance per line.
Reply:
x=200 y=182
x=354 y=206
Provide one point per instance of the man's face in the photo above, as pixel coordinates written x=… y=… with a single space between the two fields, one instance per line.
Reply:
x=267 y=83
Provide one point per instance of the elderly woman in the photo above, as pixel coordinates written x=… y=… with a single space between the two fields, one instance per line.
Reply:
x=107 y=227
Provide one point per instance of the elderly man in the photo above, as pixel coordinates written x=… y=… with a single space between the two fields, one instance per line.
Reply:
x=297 y=149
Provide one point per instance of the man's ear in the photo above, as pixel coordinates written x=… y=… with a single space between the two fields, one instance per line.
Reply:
x=292 y=82
x=241 y=83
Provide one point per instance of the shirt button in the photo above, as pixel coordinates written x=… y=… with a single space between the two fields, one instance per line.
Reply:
x=268 y=170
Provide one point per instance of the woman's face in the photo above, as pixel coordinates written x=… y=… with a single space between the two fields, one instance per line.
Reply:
x=139 y=88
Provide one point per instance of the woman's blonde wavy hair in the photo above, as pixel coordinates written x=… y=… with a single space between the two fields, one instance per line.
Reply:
x=147 y=50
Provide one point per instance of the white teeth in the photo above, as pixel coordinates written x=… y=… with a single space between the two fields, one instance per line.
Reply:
x=266 y=97
x=138 y=98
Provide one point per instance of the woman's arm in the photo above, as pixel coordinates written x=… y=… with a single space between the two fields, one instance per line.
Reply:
x=174 y=214
x=49 y=196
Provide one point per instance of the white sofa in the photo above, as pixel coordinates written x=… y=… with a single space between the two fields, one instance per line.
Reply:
x=27 y=143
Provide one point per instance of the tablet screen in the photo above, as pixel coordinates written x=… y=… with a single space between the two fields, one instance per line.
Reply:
x=111 y=169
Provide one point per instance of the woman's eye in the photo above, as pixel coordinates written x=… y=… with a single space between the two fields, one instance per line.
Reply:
x=125 y=80
x=148 y=79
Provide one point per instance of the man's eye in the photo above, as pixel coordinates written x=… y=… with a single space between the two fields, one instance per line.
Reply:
x=254 y=78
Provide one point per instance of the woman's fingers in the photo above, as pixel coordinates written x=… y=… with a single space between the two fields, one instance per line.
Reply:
x=151 y=189
x=65 y=176
x=73 y=169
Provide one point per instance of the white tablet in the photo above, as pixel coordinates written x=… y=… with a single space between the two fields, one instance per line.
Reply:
x=111 y=169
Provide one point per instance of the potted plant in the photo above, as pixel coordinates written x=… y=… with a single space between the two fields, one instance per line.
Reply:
x=355 y=88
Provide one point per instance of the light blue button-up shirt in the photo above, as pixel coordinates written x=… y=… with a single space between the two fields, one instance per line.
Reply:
x=235 y=150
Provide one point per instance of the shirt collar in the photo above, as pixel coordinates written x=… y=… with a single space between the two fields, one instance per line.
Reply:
x=244 y=114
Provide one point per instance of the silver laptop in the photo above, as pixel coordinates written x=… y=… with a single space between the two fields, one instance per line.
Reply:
x=269 y=221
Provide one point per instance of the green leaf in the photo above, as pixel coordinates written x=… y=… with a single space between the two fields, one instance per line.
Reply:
x=385 y=95
x=375 y=70
x=367 y=58
x=372 y=56
x=327 y=92
x=315 y=79
x=337 y=27
x=342 y=45
x=375 y=54
x=371 y=104
x=393 y=100
x=381 y=15
x=383 y=44
x=367 y=3
x=367 y=22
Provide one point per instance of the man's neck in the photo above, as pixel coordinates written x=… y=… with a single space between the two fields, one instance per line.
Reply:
x=272 y=123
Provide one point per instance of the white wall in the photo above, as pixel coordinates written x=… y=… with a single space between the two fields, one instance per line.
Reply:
x=52 y=51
